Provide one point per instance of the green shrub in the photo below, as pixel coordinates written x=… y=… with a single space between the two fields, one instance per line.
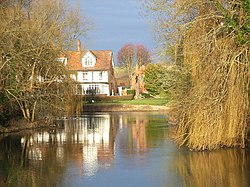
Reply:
x=146 y=95
x=131 y=92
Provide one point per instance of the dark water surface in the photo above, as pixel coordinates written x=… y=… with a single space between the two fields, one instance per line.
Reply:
x=115 y=149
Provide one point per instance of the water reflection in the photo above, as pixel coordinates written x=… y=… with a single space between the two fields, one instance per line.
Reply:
x=90 y=137
x=139 y=133
x=131 y=148
x=210 y=169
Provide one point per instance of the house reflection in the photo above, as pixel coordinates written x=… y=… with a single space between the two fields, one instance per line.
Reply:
x=88 y=139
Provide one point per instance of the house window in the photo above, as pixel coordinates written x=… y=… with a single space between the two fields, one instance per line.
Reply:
x=93 y=89
x=85 y=76
x=97 y=89
x=100 y=75
x=88 y=61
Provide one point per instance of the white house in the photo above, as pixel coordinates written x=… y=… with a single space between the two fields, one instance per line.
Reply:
x=93 y=70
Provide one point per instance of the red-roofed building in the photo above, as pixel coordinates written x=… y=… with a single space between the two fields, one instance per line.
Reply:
x=93 y=70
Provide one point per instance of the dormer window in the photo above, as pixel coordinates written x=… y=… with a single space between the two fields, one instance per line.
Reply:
x=88 y=60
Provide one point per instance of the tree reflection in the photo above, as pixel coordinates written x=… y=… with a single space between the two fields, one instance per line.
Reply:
x=138 y=130
x=142 y=132
x=210 y=169
x=17 y=170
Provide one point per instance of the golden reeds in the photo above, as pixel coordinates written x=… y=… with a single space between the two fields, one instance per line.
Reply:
x=213 y=114
x=210 y=41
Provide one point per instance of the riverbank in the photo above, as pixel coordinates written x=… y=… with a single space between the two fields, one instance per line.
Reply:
x=20 y=124
x=122 y=108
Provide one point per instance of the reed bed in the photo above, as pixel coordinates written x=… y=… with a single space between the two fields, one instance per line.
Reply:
x=213 y=114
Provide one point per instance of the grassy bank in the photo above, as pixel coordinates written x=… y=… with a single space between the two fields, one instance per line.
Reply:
x=141 y=101
x=142 y=104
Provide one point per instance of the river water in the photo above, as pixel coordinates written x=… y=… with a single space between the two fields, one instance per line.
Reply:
x=115 y=149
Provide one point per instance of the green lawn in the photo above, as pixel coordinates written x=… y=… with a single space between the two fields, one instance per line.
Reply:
x=143 y=101
x=146 y=101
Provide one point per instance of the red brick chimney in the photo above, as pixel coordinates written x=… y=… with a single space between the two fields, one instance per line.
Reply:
x=78 y=45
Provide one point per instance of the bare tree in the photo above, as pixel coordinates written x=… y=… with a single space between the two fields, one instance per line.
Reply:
x=143 y=56
x=126 y=57
x=130 y=55
x=33 y=34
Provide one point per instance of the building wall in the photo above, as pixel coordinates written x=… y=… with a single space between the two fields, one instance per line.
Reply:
x=92 y=82
x=93 y=70
x=93 y=76
x=100 y=76
x=93 y=88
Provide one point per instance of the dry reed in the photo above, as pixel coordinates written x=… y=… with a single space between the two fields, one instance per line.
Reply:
x=210 y=41
x=213 y=114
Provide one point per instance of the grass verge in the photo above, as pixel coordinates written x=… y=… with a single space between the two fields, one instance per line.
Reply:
x=141 y=101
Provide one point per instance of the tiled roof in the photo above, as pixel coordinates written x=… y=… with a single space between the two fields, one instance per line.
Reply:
x=103 y=60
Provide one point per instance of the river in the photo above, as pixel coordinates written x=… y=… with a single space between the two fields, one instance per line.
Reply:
x=131 y=149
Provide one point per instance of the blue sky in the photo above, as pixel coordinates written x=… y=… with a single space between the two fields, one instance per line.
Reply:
x=117 y=22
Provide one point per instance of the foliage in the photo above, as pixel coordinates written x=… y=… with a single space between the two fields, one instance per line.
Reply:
x=154 y=79
x=236 y=18
x=131 y=92
x=32 y=36
x=168 y=80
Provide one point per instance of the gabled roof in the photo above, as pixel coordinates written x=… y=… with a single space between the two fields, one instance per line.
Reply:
x=104 y=59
